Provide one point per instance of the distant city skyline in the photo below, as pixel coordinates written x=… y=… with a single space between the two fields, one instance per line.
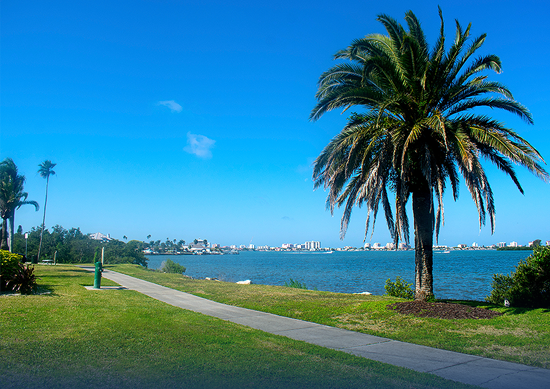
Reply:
x=186 y=120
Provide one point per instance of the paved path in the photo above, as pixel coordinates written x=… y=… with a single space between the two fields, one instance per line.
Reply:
x=469 y=369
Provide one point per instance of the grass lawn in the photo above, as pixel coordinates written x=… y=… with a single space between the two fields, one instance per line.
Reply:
x=75 y=338
x=520 y=335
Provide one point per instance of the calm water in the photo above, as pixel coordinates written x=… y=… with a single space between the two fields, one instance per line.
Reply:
x=457 y=275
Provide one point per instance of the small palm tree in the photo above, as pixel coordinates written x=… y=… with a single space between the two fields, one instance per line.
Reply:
x=12 y=197
x=45 y=169
x=417 y=133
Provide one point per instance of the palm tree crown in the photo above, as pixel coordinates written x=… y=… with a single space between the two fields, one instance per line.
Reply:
x=418 y=131
x=12 y=197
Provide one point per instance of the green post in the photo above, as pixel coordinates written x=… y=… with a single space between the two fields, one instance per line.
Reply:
x=97 y=278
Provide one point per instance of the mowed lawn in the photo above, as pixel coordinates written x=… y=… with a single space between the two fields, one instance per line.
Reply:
x=75 y=338
x=519 y=335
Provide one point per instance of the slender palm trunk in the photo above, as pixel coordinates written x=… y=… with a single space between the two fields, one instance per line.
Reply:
x=423 y=240
x=43 y=219
x=11 y=221
x=4 y=241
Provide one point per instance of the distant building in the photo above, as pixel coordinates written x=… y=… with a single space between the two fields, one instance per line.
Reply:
x=502 y=244
x=100 y=236
x=390 y=246
x=475 y=244
x=251 y=246
x=287 y=245
x=404 y=246
x=313 y=245
x=376 y=246
x=462 y=246
x=548 y=242
x=513 y=244
x=367 y=246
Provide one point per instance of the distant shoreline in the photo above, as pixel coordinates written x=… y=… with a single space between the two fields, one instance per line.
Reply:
x=519 y=248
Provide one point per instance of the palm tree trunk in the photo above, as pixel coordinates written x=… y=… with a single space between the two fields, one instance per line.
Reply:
x=4 y=241
x=12 y=231
x=44 y=218
x=423 y=239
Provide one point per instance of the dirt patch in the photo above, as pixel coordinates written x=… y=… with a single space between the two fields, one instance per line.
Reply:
x=442 y=310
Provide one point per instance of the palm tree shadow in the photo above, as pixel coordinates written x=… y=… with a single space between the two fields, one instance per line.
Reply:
x=504 y=310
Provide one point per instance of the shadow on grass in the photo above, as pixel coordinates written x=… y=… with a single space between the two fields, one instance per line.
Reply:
x=487 y=305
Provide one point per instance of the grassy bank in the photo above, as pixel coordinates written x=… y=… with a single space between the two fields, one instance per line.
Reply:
x=73 y=337
x=519 y=335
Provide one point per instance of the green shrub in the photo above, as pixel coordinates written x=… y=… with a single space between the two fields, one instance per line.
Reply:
x=170 y=266
x=399 y=288
x=527 y=286
x=295 y=284
x=24 y=280
x=9 y=263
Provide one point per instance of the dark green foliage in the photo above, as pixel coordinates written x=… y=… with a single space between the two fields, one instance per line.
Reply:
x=170 y=266
x=9 y=264
x=72 y=246
x=120 y=252
x=399 y=288
x=24 y=279
x=518 y=248
x=12 y=197
x=295 y=284
x=97 y=255
x=527 y=286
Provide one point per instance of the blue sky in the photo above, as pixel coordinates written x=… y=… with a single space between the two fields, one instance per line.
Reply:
x=186 y=120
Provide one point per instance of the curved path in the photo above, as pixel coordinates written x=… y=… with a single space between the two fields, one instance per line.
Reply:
x=469 y=369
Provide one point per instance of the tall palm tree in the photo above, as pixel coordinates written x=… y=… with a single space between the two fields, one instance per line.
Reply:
x=45 y=169
x=416 y=132
x=12 y=197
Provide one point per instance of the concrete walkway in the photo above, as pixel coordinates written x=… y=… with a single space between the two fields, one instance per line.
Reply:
x=469 y=369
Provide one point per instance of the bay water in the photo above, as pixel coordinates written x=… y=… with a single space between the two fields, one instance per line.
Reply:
x=459 y=274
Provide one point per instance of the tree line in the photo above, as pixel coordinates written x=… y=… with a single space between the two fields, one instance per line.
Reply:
x=73 y=246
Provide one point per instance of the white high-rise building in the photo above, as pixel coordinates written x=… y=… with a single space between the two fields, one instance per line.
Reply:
x=313 y=245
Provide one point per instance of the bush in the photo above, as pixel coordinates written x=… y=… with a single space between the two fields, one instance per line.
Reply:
x=170 y=266
x=399 y=288
x=9 y=264
x=527 y=286
x=295 y=284
x=24 y=280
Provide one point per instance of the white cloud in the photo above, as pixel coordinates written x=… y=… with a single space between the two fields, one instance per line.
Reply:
x=174 y=107
x=199 y=145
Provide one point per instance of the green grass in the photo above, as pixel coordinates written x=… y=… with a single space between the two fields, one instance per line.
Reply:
x=74 y=338
x=519 y=335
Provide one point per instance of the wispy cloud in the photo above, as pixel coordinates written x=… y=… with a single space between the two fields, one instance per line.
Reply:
x=174 y=107
x=199 y=145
